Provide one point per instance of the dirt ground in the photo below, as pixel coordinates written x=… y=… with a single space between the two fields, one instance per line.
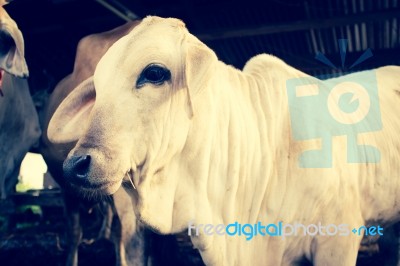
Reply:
x=36 y=235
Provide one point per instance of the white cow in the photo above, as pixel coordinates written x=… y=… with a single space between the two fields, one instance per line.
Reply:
x=204 y=143
x=19 y=124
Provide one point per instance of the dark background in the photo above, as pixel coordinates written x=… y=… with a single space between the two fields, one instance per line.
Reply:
x=294 y=30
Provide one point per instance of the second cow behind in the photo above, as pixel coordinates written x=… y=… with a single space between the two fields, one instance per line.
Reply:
x=90 y=49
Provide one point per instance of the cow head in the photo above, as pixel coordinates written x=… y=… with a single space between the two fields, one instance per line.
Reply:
x=141 y=118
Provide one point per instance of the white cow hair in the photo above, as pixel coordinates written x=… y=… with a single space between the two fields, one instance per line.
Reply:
x=214 y=145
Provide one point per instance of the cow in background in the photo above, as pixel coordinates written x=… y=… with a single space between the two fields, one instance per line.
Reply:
x=19 y=123
x=89 y=51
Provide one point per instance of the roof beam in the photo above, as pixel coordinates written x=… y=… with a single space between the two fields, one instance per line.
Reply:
x=118 y=9
x=381 y=57
x=265 y=29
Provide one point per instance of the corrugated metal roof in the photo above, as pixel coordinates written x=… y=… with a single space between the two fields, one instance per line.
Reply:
x=294 y=30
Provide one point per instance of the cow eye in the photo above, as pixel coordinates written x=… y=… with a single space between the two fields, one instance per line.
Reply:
x=154 y=74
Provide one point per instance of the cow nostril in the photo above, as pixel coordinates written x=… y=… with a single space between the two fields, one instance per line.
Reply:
x=76 y=169
x=82 y=166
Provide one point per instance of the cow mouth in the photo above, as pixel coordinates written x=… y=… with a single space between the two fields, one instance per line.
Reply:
x=96 y=191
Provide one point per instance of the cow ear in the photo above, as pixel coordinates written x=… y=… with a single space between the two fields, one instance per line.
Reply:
x=198 y=67
x=12 y=58
x=68 y=122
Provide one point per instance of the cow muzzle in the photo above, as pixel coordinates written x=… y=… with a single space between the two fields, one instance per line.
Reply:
x=76 y=170
x=85 y=176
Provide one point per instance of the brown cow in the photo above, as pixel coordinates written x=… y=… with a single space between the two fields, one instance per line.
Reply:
x=90 y=49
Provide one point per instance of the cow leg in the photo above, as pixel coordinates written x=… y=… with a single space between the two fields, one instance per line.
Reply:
x=116 y=236
x=135 y=247
x=111 y=229
x=129 y=235
x=336 y=250
x=74 y=230
x=105 y=230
